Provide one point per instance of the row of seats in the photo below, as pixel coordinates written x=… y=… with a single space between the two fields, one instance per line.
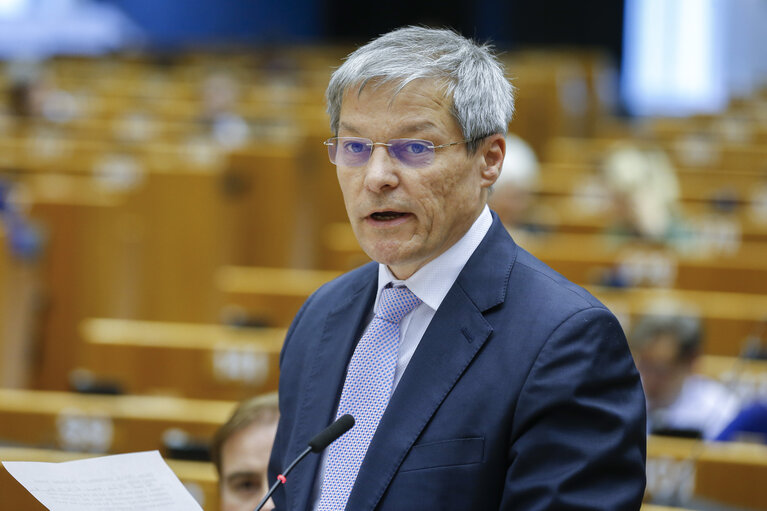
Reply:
x=690 y=155
x=217 y=362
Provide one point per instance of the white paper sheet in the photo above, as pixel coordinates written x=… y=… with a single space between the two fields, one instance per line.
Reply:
x=123 y=482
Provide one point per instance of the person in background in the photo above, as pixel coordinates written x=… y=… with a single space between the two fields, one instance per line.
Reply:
x=750 y=425
x=240 y=451
x=679 y=402
x=512 y=195
x=644 y=191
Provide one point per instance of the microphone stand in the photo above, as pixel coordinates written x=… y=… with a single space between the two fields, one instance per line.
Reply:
x=282 y=478
x=317 y=444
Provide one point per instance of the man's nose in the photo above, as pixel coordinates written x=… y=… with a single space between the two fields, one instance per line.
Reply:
x=381 y=171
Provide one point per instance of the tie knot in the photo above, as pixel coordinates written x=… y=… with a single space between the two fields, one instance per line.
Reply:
x=395 y=303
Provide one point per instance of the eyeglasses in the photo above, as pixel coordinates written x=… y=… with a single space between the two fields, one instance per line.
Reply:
x=356 y=151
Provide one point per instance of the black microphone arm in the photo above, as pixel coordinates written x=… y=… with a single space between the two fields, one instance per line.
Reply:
x=317 y=444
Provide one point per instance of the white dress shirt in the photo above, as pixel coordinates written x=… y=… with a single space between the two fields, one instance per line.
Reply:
x=703 y=404
x=431 y=284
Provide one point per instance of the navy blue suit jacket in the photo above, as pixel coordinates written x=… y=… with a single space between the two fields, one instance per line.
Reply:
x=521 y=395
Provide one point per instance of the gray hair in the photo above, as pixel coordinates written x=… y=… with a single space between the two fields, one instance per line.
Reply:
x=686 y=331
x=482 y=96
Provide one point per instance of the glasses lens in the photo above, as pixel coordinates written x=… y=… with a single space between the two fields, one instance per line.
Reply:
x=332 y=145
x=412 y=152
x=351 y=151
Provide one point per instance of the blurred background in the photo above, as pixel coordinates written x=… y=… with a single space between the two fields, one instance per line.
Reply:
x=166 y=205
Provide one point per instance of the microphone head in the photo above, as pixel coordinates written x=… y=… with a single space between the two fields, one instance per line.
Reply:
x=329 y=435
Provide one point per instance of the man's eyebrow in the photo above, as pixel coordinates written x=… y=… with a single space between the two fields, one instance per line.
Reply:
x=408 y=128
x=419 y=126
x=347 y=127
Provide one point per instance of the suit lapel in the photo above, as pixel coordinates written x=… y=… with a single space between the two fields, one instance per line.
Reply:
x=442 y=355
x=454 y=336
x=343 y=327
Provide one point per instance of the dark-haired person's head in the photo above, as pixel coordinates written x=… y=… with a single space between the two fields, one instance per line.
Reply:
x=240 y=451
x=665 y=348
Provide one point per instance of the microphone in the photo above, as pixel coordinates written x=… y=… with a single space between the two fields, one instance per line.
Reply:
x=317 y=444
x=329 y=435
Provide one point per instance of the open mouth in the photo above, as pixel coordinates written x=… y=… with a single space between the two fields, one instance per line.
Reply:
x=383 y=216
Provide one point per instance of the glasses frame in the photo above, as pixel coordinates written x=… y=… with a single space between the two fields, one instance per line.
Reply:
x=332 y=141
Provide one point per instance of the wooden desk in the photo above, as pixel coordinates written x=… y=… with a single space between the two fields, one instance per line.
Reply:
x=685 y=153
x=725 y=231
x=728 y=318
x=112 y=424
x=728 y=473
x=270 y=295
x=280 y=197
x=184 y=359
x=694 y=186
x=274 y=296
x=583 y=258
x=85 y=267
x=19 y=301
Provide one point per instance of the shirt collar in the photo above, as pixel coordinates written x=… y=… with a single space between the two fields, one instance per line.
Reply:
x=432 y=282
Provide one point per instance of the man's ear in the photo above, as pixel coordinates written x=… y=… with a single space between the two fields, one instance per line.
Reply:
x=492 y=150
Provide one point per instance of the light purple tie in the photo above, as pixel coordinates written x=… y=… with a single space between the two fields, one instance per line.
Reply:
x=366 y=393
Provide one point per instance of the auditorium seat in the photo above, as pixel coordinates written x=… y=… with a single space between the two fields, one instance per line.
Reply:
x=587 y=258
x=268 y=296
x=203 y=361
x=726 y=473
x=106 y=424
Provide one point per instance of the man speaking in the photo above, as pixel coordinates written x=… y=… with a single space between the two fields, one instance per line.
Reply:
x=478 y=377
